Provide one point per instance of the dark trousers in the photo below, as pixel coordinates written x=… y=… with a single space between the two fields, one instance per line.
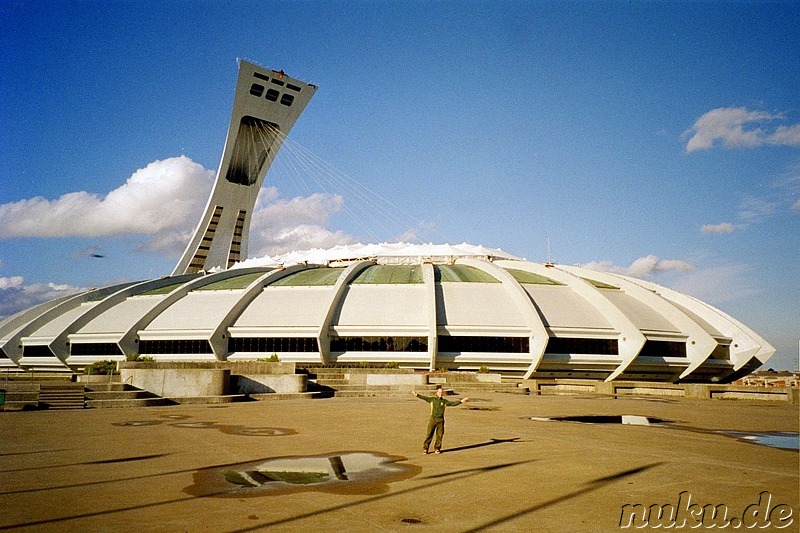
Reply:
x=435 y=425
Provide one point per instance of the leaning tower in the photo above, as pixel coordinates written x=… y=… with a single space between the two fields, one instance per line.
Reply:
x=265 y=107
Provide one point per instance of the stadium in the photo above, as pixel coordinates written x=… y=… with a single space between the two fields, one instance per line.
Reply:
x=421 y=306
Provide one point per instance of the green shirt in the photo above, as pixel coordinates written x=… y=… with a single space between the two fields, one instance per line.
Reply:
x=438 y=404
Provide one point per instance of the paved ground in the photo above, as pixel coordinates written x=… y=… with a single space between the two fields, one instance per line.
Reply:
x=165 y=468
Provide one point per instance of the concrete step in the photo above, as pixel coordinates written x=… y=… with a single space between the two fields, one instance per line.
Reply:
x=121 y=395
x=326 y=375
x=271 y=396
x=61 y=396
x=207 y=400
x=134 y=402
x=370 y=393
x=362 y=386
x=118 y=395
x=330 y=382
x=107 y=387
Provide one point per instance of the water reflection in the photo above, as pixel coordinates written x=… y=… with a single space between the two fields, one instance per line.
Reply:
x=346 y=472
x=786 y=440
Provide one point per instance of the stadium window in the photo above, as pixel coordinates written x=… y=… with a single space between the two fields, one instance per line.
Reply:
x=663 y=349
x=256 y=89
x=175 y=346
x=272 y=344
x=469 y=343
x=293 y=87
x=272 y=95
x=582 y=346
x=37 y=350
x=287 y=99
x=95 y=348
x=260 y=76
x=379 y=344
x=276 y=81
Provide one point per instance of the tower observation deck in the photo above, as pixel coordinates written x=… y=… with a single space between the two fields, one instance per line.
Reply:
x=265 y=107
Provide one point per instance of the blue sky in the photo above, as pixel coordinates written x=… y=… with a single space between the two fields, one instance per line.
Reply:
x=659 y=139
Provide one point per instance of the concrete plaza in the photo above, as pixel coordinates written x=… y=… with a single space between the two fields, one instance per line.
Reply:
x=169 y=468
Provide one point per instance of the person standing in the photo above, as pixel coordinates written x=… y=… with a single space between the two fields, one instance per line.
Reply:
x=436 y=423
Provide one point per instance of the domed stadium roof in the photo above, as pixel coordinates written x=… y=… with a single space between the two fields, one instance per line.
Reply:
x=421 y=306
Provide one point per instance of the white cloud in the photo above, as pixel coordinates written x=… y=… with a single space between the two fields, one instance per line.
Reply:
x=16 y=296
x=170 y=243
x=737 y=127
x=718 y=284
x=757 y=208
x=796 y=206
x=282 y=225
x=13 y=282
x=642 y=267
x=163 y=202
x=717 y=229
x=165 y=195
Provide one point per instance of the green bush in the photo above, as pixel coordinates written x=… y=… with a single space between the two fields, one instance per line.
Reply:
x=101 y=368
x=483 y=369
x=392 y=364
x=137 y=357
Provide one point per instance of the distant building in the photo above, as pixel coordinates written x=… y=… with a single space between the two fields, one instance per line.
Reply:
x=771 y=378
x=422 y=306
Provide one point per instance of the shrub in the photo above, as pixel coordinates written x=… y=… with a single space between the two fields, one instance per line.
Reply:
x=483 y=369
x=137 y=357
x=101 y=368
x=392 y=364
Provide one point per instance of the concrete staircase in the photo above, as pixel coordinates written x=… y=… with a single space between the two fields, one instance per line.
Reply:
x=468 y=382
x=105 y=395
x=351 y=383
x=61 y=396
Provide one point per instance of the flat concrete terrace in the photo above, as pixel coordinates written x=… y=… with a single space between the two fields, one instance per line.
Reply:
x=355 y=464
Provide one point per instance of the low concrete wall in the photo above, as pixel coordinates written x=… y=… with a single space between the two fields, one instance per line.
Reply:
x=18 y=396
x=688 y=390
x=387 y=379
x=264 y=383
x=258 y=367
x=178 y=382
x=93 y=379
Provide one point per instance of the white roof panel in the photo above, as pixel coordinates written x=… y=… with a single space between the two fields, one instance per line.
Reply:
x=382 y=305
x=198 y=310
x=287 y=306
x=563 y=308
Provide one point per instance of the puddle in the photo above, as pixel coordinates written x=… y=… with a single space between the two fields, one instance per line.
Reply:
x=228 y=430
x=339 y=473
x=138 y=423
x=785 y=440
x=630 y=420
x=196 y=425
x=256 y=432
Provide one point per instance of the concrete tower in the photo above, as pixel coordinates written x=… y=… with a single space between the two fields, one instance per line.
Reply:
x=266 y=106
